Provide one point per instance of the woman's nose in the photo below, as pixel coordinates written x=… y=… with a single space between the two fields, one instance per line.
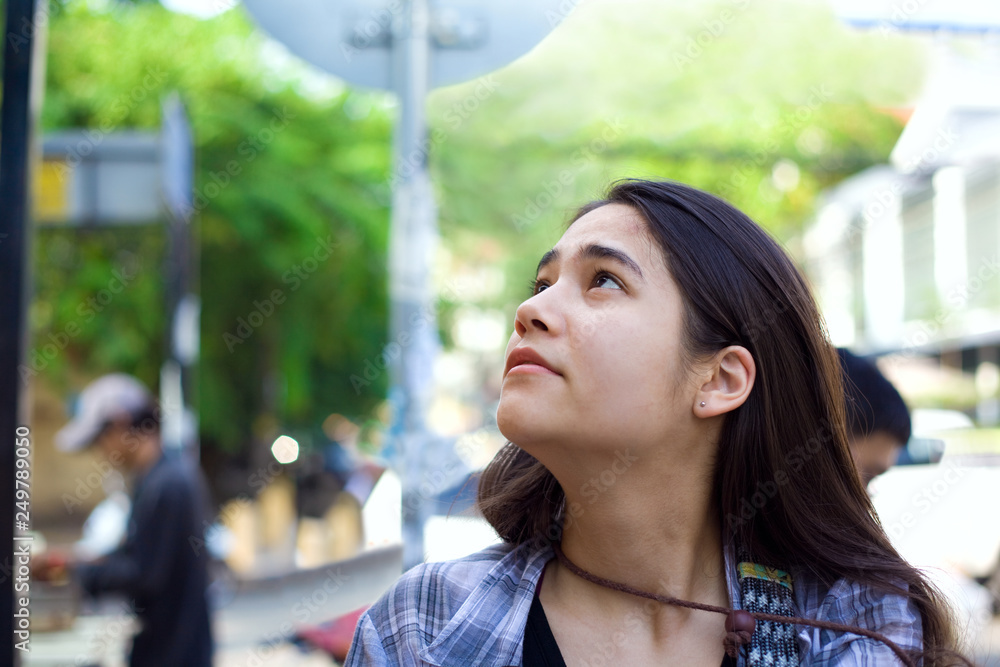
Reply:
x=535 y=314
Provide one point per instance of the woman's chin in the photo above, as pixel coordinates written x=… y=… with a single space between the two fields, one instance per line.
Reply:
x=527 y=423
x=508 y=422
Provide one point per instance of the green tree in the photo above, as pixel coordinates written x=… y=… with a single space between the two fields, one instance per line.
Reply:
x=291 y=213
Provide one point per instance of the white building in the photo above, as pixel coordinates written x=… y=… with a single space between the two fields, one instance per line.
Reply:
x=905 y=257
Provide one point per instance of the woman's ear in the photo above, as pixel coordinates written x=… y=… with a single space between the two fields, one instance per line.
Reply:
x=732 y=375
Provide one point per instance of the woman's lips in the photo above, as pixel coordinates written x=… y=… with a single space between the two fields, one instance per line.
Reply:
x=530 y=369
x=525 y=356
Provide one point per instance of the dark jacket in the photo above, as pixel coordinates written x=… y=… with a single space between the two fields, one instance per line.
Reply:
x=162 y=568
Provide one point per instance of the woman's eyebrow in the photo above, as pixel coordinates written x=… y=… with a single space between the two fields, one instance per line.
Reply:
x=595 y=251
x=547 y=258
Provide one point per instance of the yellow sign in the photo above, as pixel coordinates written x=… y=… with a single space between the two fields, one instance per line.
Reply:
x=52 y=192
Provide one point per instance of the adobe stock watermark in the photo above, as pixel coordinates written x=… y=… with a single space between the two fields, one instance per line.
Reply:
x=943 y=140
x=599 y=484
x=766 y=490
x=104 y=468
x=18 y=36
x=605 y=651
x=264 y=308
x=922 y=502
x=304 y=609
x=559 y=14
x=595 y=486
x=541 y=202
x=118 y=111
x=220 y=6
x=112 y=634
x=761 y=321
x=86 y=486
x=817 y=96
x=455 y=116
x=308 y=605
x=258 y=480
x=958 y=297
x=418 y=321
x=885 y=199
x=374 y=31
x=563 y=518
x=40 y=357
x=432 y=484
x=248 y=150
x=712 y=29
x=900 y=14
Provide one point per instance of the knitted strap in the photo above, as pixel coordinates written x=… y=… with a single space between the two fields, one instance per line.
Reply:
x=769 y=591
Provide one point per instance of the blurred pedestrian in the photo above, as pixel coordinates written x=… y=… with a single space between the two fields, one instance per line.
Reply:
x=162 y=564
x=878 y=421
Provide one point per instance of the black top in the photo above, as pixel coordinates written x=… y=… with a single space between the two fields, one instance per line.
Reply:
x=162 y=568
x=540 y=648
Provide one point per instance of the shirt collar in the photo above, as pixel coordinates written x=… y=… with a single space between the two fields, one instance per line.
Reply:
x=489 y=626
x=509 y=586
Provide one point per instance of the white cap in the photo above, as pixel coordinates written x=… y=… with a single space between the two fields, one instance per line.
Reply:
x=106 y=399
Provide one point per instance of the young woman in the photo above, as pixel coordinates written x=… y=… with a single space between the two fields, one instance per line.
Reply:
x=677 y=448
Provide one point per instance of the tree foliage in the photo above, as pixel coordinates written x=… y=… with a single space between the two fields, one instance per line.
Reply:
x=718 y=95
x=291 y=212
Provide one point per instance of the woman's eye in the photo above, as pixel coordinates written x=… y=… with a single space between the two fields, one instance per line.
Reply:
x=537 y=286
x=606 y=280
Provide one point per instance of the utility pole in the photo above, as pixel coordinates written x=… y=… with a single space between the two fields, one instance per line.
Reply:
x=412 y=241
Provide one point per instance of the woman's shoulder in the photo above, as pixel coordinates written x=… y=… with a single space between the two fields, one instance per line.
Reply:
x=447 y=584
x=433 y=604
x=448 y=580
x=893 y=615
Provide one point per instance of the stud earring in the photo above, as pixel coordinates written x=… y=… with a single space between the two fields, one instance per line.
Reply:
x=703 y=404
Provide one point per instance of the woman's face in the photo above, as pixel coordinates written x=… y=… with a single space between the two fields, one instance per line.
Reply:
x=595 y=358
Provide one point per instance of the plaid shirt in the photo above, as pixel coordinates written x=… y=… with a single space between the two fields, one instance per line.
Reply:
x=472 y=611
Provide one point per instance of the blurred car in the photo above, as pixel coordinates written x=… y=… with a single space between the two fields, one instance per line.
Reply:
x=922 y=447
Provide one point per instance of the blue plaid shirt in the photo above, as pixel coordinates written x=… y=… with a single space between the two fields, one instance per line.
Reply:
x=472 y=611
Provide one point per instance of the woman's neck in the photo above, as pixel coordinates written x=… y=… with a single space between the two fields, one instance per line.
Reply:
x=654 y=530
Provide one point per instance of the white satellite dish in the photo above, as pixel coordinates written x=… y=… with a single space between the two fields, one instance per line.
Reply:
x=352 y=39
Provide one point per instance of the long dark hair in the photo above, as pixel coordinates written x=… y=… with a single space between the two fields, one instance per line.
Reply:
x=784 y=481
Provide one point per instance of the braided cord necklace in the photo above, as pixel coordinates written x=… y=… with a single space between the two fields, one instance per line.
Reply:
x=740 y=623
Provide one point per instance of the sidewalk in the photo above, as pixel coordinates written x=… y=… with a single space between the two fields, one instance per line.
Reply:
x=251 y=630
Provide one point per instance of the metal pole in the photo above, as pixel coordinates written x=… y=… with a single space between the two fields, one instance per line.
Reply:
x=16 y=131
x=176 y=383
x=412 y=239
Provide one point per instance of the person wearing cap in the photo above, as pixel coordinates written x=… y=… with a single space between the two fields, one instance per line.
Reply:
x=878 y=421
x=161 y=566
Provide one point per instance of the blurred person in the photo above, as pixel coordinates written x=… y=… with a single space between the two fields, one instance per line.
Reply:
x=878 y=421
x=161 y=567
x=677 y=467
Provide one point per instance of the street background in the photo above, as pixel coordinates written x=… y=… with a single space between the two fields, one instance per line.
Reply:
x=864 y=136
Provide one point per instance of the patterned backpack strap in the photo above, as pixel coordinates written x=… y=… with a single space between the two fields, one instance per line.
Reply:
x=769 y=590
